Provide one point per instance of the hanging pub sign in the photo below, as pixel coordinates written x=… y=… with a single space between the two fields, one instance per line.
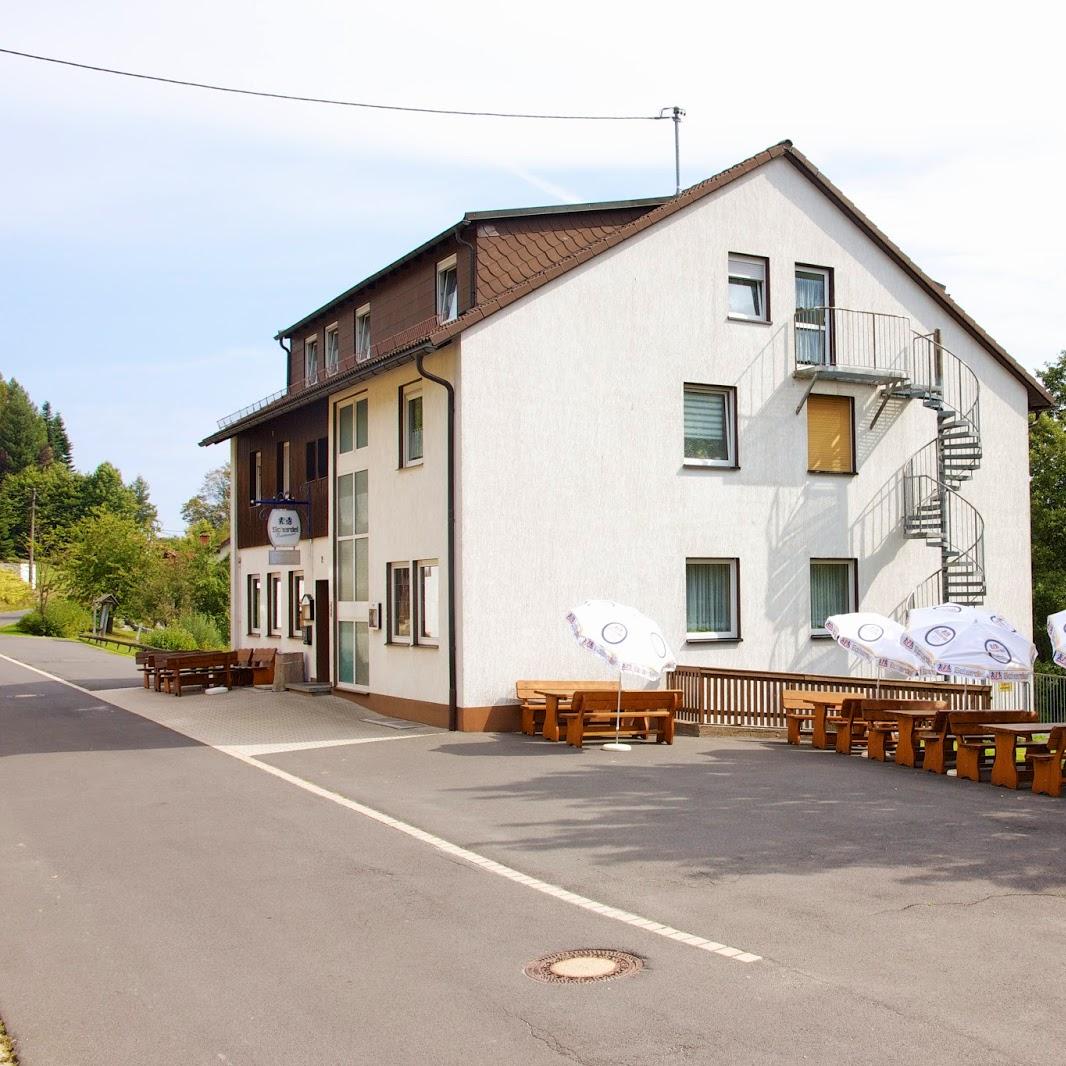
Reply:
x=283 y=530
x=283 y=527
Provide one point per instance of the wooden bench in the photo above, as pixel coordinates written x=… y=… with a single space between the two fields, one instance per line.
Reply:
x=262 y=665
x=530 y=694
x=595 y=714
x=197 y=668
x=938 y=741
x=973 y=744
x=870 y=724
x=798 y=714
x=1048 y=765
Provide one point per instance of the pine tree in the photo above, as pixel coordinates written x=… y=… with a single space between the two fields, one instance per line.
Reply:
x=58 y=441
x=23 y=433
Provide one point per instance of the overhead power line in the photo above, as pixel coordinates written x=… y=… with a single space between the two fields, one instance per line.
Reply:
x=334 y=103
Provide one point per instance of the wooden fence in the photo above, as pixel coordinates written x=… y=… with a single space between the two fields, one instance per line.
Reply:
x=752 y=698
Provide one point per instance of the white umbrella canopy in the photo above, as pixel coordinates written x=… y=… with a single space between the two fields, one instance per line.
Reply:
x=969 y=642
x=627 y=639
x=876 y=639
x=1056 y=630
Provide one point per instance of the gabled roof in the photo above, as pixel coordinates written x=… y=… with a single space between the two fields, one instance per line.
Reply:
x=470 y=216
x=1039 y=397
x=434 y=337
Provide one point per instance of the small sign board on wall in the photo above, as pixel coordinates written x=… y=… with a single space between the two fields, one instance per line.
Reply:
x=283 y=527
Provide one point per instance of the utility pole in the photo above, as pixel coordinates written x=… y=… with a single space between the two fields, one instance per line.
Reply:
x=676 y=114
x=33 y=537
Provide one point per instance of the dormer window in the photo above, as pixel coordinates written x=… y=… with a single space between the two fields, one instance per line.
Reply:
x=333 y=349
x=362 y=333
x=447 y=290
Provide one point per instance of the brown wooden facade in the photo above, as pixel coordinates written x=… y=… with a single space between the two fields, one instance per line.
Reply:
x=303 y=428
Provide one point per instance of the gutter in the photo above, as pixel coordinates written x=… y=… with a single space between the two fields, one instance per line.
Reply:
x=453 y=703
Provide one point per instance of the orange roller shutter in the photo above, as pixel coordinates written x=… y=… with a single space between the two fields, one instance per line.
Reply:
x=829 y=434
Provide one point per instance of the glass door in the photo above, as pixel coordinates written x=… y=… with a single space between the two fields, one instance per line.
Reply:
x=351 y=537
x=812 y=318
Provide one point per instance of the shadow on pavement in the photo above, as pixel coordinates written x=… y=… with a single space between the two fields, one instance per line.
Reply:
x=44 y=717
x=761 y=807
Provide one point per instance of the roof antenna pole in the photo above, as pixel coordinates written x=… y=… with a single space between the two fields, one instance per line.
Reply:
x=676 y=114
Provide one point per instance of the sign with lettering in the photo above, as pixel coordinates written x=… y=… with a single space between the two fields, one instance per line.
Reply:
x=283 y=527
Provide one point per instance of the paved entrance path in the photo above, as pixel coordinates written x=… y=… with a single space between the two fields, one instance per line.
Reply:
x=166 y=902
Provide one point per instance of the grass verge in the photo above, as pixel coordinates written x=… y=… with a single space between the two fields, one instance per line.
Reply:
x=7 y=1049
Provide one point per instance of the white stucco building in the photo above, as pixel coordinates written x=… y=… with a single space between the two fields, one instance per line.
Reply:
x=740 y=409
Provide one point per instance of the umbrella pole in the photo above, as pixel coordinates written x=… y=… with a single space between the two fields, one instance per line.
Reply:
x=615 y=745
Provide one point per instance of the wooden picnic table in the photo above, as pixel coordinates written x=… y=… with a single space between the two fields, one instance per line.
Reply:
x=823 y=702
x=907 y=720
x=1007 y=735
x=556 y=700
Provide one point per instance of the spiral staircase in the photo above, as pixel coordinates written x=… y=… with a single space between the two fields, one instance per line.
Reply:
x=884 y=350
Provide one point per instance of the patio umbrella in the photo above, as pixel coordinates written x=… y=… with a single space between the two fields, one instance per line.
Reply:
x=876 y=639
x=628 y=640
x=970 y=642
x=1056 y=629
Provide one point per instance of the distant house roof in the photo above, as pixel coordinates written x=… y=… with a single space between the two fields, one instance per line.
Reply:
x=431 y=336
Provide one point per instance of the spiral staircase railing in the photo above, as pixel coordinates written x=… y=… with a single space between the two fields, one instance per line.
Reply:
x=914 y=365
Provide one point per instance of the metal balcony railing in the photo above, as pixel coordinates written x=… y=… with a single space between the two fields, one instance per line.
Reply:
x=859 y=340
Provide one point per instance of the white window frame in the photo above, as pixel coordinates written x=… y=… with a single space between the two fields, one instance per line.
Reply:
x=333 y=365
x=849 y=566
x=733 y=633
x=443 y=267
x=274 y=605
x=730 y=425
x=310 y=345
x=363 y=324
x=814 y=327
x=296 y=592
x=409 y=393
x=254 y=624
x=742 y=273
x=394 y=636
x=422 y=612
x=257 y=477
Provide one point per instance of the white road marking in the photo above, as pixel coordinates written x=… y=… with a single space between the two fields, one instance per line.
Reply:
x=472 y=857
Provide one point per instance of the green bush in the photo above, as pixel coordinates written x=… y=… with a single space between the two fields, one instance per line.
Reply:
x=60 y=618
x=171 y=638
x=13 y=592
x=204 y=631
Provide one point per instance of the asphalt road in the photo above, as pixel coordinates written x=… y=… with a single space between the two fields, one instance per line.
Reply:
x=163 y=902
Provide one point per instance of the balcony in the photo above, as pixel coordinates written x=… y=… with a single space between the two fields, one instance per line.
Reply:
x=340 y=368
x=865 y=347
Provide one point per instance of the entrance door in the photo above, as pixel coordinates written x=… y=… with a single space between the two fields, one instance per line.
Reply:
x=812 y=316
x=322 y=631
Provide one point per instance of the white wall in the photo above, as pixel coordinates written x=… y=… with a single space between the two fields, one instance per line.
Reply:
x=571 y=466
x=407 y=519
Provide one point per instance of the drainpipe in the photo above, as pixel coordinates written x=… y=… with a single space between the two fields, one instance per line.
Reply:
x=288 y=361
x=453 y=703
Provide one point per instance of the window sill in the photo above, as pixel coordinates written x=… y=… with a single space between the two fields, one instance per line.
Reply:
x=714 y=640
x=708 y=464
x=833 y=473
x=431 y=647
x=750 y=321
x=821 y=636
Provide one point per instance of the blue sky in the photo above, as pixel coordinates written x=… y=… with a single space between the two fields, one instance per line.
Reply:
x=155 y=238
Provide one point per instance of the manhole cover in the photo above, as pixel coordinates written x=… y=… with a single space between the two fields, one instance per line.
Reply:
x=583 y=965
